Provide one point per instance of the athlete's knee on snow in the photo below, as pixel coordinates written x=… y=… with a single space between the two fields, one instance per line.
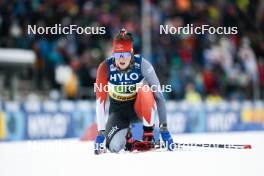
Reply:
x=118 y=141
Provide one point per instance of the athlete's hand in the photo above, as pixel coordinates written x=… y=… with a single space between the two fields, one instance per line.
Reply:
x=99 y=143
x=166 y=137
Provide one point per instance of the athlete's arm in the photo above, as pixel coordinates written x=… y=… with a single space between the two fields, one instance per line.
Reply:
x=101 y=95
x=152 y=79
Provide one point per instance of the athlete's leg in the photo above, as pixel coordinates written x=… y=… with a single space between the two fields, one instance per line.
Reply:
x=145 y=108
x=118 y=141
x=116 y=131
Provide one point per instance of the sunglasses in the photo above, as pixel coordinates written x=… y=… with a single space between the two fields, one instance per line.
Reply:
x=125 y=55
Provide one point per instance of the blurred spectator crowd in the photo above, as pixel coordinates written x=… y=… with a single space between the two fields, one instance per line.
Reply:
x=199 y=67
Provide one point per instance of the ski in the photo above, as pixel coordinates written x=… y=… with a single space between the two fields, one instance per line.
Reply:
x=211 y=145
x=143 y=146
x=182 y=146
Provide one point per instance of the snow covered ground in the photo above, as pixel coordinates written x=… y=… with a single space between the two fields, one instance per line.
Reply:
x=75 y=158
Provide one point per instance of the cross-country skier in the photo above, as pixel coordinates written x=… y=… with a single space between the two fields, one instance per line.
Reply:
x=121 y=74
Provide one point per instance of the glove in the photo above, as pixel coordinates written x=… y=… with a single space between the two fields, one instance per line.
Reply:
x=166 y=137
x=99 y=143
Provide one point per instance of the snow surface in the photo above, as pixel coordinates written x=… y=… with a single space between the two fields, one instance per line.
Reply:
x=72 y=157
